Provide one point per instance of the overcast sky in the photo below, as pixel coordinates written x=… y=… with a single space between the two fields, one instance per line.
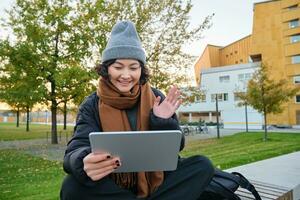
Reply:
x=232 y=21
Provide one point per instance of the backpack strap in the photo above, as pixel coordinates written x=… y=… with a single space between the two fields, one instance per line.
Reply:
x=225 y=191
x=244 y=183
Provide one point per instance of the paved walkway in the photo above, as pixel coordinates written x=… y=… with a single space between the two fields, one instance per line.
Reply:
x=282 y=171
x=37 y=147
x=225 y=132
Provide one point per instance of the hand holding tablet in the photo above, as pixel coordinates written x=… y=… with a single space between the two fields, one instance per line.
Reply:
x=139 y=150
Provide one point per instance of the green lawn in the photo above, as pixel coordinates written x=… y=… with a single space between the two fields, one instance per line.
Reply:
x=9 y=131
x=26 y=177
x=243 y=148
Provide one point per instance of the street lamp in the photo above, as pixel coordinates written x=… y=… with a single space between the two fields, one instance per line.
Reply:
x=217 y=110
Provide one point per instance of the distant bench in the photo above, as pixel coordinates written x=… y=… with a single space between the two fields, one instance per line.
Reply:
x=267 y=192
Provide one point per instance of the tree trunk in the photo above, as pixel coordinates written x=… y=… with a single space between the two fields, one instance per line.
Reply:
x=265 y=119
x=18 y=117
x=65 y=115
x=53 y=94
x=27 y=119
x=53 y=122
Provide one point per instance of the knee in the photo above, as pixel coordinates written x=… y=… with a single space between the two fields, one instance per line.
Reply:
x=205 y=164
x=70 y=188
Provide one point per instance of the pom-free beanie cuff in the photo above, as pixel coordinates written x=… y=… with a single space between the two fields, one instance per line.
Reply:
x=130 y=52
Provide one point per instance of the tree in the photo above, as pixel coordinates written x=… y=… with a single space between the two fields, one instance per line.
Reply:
x=73 y=84
x=266 y=95
x=20 y=88
x=164 y=27
x=65 y=33
x=62 y=34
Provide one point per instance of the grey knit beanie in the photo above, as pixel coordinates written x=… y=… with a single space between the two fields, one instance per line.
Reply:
x=124 y=42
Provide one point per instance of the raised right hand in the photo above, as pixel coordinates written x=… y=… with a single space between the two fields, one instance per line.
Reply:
x=99 y=165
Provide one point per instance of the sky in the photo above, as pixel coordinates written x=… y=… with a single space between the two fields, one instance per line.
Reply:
x=232 y=21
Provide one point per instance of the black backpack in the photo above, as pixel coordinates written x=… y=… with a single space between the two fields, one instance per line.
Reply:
x=224 y=184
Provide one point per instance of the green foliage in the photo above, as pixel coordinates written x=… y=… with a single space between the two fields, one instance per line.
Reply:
x=64 y=37
x=164 y=26
x=267 y=95
x=19 y=87
x=191 y=94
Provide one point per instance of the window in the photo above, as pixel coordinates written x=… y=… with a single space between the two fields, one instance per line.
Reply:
x=295 y=59
x=297 y=79
x=224 y=79
x=201 y=98
x=236 y=96
x=244 y=77
x=294 y=23
x=297 y=98
x=221 y=97
x=293 y=7
x=295 y=38
x=241 y=60
x=225 y=96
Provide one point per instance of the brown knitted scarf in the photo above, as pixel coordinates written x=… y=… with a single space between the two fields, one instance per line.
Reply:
x=112 y=105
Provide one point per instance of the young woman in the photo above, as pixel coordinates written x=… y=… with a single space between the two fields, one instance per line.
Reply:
x=125 y=101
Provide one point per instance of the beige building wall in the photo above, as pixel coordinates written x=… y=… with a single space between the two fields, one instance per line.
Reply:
x=271 y=39
x=209 y=58
x=236 y=53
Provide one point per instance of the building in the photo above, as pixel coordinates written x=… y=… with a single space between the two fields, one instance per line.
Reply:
x=226 y=82
x=275 y=40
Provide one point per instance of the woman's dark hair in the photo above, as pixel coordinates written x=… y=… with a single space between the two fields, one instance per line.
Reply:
x=102 y=70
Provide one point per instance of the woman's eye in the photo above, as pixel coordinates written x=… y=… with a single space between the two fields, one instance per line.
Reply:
x=118 y=67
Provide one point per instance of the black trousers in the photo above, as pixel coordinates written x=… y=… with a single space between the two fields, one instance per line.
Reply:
x=187 y=182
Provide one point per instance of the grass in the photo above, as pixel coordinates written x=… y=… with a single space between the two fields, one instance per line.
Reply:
x=26 y=177
x=243 y=148
x=9 y=131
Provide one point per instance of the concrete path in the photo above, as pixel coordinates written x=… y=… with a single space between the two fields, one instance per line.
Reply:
x=281 y=171
x=212 y=133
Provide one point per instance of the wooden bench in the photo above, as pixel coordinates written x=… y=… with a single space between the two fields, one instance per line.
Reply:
x=267 y=192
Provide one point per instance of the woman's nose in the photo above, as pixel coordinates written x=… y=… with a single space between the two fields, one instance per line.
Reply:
x=125 y=74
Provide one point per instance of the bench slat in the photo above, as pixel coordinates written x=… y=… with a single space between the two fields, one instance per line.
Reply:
x=266 y=191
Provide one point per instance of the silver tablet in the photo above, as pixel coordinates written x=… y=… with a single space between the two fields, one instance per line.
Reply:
x=140 y=150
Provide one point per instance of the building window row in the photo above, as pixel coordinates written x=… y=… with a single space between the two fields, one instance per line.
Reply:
x=221 y=97
x=244 y=77
x=294 y=23
x=295 y=59
x=293 y=7
x=236 y=96
x=297 y=98
x=295 y=38
x=201 y=98
x=224 y=79
x=297 y=79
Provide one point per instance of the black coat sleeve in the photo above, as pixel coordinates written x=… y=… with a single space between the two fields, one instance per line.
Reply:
x=79 y=146
x=157 y=123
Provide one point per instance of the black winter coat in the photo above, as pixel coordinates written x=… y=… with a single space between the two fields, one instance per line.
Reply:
x=88 y=121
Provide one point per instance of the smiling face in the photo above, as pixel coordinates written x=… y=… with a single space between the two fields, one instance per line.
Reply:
x=124 y=74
